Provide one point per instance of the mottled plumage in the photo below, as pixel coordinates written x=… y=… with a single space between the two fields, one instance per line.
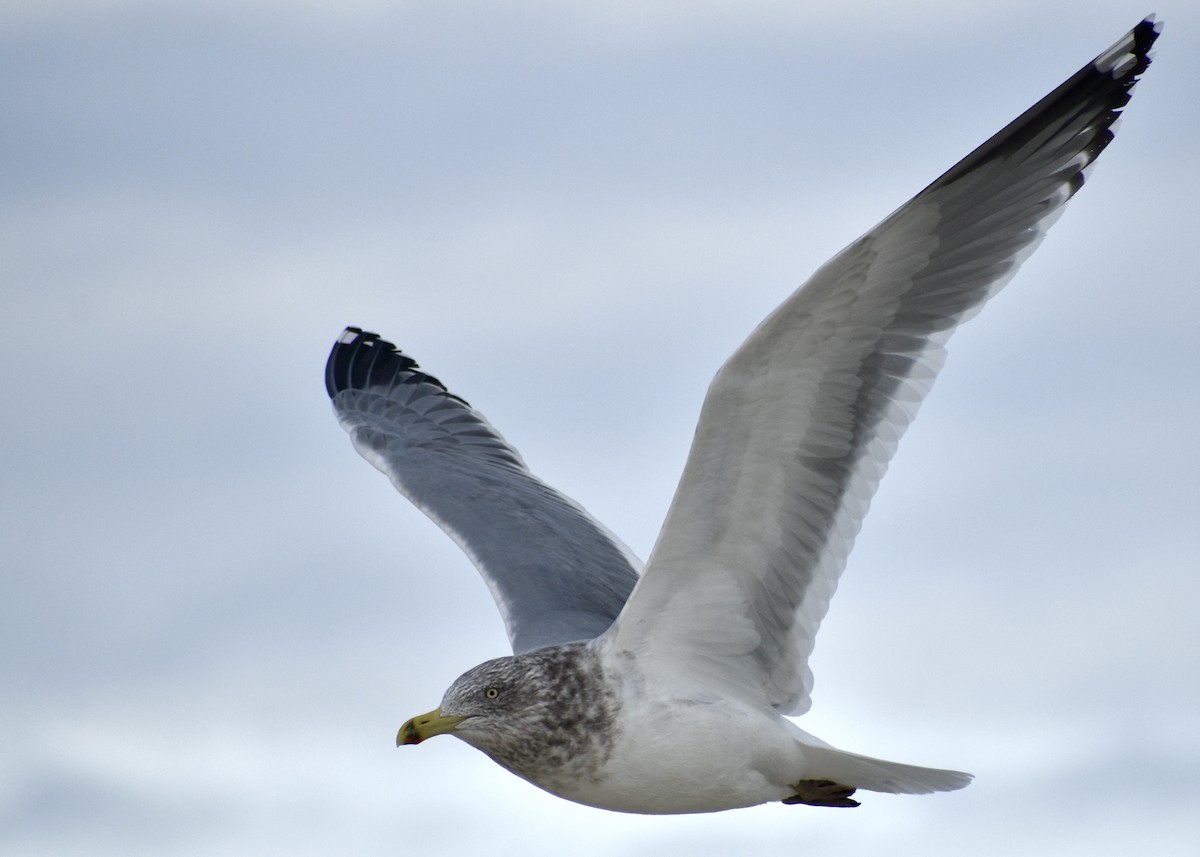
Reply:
x=548 y=716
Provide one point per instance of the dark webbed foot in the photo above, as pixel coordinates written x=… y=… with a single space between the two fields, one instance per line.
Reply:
x=821 y=793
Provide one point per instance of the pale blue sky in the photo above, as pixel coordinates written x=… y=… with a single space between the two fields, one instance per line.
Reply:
x=216 y=615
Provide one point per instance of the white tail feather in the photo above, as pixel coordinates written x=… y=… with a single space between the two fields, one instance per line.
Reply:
x=879 y=775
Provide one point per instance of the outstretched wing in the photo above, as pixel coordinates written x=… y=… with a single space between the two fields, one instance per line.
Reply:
x=799 y=425
x=557 y=575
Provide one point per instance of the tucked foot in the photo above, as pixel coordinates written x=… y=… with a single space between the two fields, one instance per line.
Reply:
x=821 y=793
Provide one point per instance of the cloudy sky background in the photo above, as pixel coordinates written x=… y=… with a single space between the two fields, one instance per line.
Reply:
x=215 y=615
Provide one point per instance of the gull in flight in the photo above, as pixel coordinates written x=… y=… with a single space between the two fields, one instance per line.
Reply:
x=665 y=690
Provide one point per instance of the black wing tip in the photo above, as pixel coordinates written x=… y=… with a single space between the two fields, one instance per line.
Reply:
x=1123 y=63
x=1131 y=55
x=361 y=359
x=1100 y=89
x=1144 y=35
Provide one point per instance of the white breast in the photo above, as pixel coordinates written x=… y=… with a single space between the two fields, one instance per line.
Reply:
x=672 y=755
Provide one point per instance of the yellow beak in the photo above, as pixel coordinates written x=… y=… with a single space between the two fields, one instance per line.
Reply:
x=426 y=726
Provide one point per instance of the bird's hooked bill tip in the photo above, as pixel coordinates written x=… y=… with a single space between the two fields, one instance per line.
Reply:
x=409 y=734
x=425 y=726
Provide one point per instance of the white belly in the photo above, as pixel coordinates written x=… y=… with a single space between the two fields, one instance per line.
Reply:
x=676 y=757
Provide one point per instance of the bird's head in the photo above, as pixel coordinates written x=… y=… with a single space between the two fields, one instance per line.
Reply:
x=483 y=700
x=530 y=712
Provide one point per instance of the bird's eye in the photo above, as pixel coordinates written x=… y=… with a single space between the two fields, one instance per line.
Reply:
x=492 y=692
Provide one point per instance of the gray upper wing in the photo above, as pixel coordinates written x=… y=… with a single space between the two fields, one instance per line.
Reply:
x=799 y=424
x=556 y=574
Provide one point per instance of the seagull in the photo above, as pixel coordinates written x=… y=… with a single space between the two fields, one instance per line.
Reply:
x=668 y=689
